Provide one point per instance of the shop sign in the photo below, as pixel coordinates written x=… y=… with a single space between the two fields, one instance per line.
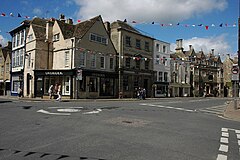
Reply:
x=54 y=73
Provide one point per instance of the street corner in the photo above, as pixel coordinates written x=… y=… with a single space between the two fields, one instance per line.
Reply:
x=232 y=111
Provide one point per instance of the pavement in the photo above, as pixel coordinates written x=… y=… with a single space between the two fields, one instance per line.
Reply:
x=230 y=113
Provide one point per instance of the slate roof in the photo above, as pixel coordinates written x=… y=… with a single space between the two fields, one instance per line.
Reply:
x=124 y=25
x=67 y=29
x=39 y=27
x=78 y=30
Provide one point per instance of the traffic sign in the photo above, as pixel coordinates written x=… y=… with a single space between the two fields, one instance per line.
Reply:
x=235 y=70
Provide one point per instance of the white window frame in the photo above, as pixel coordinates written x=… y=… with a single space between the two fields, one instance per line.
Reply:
x=102 y=63
x=56 y=37
x=98 y=38
x=93 y=60
x=67 y=58
x=82 y=59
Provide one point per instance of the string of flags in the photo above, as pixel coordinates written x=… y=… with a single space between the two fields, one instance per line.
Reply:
x=12 y=15
x=184 y=25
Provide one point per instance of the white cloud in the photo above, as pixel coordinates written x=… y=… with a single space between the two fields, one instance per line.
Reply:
x=37 y=11
x=3 y=41
x=148 y=10
x=218 y=43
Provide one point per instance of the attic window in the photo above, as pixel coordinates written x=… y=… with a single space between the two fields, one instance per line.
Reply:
x=56 y=37
x=98 y=38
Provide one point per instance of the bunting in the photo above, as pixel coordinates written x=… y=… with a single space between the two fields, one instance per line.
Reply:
x=207 y=26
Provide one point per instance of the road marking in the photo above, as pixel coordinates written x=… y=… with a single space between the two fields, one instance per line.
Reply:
x=223 y=148
x=237 y=131
x=167 y=107
x=224 y=134
x=221 y=157
x=224 y=130
x=71 y=110
x=238 y=136
x=93 y=112
x=46 y=112
x=224 y=140
x=65 y=107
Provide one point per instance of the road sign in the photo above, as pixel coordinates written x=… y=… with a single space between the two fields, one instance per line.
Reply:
x=235 y=70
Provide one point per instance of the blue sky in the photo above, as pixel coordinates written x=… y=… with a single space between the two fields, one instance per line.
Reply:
x=167 y=12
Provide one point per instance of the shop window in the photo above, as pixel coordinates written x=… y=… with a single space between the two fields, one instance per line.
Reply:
x=16 y=84
x=106 y=87
x=136 y=81
x=93 y=84
x=66 y=86
x=125 y=83
x=83 y=84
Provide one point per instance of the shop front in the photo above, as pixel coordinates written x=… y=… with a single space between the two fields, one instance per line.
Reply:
x=16 y=82
x=161 y=89
x=43 y=79
x=96 y=84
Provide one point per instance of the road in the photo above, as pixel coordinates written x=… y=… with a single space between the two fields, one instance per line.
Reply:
x=169 y=129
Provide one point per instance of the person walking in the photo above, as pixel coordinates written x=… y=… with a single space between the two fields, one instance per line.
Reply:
x=59 y=93
x=50 y=92
x=19 y=91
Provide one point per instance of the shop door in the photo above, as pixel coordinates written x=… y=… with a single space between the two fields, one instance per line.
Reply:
x=39 y=87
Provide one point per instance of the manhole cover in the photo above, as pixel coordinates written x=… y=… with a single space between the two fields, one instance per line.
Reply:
x=68 y=110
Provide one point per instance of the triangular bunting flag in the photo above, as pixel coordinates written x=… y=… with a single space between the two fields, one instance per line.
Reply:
x=19 y=15
x=3 y=14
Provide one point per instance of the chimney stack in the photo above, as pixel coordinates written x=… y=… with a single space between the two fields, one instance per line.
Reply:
x=62 y=17
x=179 y=45
x=190 y=47
x=107 y=26
x=69 y=21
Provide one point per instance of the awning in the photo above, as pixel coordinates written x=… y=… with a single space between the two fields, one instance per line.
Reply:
x=1 y=81
x=7 y=80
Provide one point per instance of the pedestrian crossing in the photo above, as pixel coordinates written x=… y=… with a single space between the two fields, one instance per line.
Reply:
x=219 y=110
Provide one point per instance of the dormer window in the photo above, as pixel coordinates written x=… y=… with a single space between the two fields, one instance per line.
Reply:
x=56 y=37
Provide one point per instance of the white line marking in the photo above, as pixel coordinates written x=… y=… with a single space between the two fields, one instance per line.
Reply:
x=238 y=136
x=224 y=134
x=93 y=112
x=237 y=131
x=65 y=107
x=223 y=148
x=46 y=112
x=221 y=157
x=224 y=130
x=168 y=107
x=224 y=140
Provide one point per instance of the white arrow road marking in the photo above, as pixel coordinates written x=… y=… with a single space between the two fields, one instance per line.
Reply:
x=93 y=112
x=60 y=114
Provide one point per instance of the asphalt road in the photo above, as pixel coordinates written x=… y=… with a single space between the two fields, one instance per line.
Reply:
x=160 y=129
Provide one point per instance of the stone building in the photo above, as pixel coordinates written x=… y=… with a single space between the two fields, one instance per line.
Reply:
x=135 y=59
x=202 y=74
x=161 y=66
x=18 y=55
x=180 y=72
x=81 y=58
x=5 y=63
x=228 y=64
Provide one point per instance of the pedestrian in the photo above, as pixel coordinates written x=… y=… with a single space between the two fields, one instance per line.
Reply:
x=50 y=92
x=143 y=93
x=19 y=91
x=59 y=93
